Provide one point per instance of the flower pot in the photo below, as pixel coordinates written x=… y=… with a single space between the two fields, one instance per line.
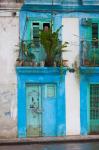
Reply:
x=86 y=62
x=48 y=63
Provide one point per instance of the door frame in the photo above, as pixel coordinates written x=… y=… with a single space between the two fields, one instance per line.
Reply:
x=41 y=75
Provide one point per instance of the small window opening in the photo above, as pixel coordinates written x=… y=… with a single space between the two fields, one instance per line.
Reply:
x=35 y=23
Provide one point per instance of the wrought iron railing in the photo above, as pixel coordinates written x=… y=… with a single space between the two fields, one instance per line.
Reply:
x=90 y=53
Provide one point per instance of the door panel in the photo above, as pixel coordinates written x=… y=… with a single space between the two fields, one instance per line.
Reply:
x=33 y=96
x=49 y=110
x=94 y=108
x=41 y=110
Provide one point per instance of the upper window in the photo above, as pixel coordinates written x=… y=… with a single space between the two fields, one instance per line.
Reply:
x=33 y=32
x=36 y=27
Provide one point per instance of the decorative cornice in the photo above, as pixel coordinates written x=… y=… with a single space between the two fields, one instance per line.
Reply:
x=60 y=8
x=41 y=70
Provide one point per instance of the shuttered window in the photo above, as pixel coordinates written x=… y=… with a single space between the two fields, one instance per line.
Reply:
x=36 y=34
x=33 y=31
x=36 y=27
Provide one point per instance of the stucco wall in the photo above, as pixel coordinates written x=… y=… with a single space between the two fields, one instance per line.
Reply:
x=9 y=37
x=71 y=34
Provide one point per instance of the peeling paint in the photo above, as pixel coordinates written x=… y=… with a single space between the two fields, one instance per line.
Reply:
x=8 y=87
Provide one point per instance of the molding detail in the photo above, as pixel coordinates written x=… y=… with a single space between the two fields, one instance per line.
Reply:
x=89 y=70
x=41 y=70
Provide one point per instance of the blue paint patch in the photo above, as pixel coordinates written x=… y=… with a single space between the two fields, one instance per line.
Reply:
x=42 y=75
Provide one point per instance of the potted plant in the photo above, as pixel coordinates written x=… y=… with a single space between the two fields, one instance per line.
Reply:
x=53 y=46
x=26 y=56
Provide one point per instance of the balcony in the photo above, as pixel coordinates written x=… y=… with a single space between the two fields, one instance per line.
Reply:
x=90 y=53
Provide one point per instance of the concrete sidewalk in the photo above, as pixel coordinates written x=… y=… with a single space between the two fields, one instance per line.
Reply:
x=88 y=138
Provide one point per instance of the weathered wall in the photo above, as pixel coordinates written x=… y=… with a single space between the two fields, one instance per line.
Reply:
x=9 y=36
x=71 y=34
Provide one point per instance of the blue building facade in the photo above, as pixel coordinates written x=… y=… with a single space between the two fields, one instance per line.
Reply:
x=33 y=17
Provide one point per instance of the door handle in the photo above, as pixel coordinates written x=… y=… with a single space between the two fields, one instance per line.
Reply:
x=39 y=110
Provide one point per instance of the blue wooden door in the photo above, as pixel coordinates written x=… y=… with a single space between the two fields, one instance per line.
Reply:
x=41 y=110
x=33 y=100
x=49 y=110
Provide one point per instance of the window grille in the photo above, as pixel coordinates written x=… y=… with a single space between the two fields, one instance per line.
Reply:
x=94 y=101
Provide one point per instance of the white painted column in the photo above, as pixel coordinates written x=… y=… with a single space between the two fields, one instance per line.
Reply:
x=70 y=33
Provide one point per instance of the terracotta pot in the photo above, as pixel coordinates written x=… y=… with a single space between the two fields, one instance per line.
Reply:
x=48 y=63
x=86 y=62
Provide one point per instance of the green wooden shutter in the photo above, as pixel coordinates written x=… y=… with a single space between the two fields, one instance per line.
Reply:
x=33 y=101
x=35 y=34
x=38 y=50
x=94 y=108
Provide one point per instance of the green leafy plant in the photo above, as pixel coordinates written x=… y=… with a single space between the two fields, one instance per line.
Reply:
x=52 y=45
x=26 y=47
x=26 y=55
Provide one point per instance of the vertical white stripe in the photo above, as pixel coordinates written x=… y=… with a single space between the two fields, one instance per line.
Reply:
x=70 y=33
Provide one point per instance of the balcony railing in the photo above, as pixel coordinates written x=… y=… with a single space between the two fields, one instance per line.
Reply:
x=90 y=53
